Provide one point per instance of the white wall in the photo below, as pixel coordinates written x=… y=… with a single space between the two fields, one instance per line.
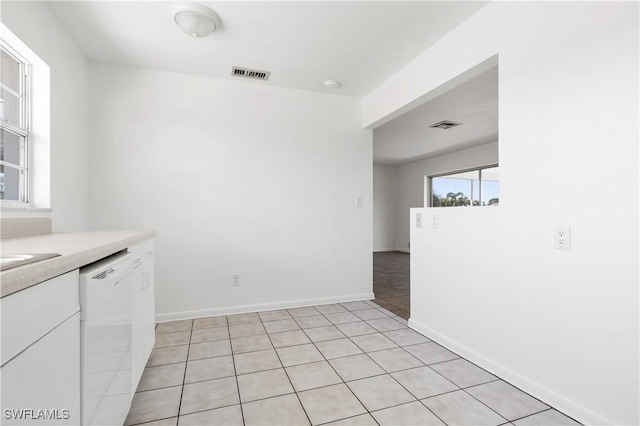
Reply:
x=384 y=207
x=236 y=178
x=410 y=181
x=562 y=325
x=36 y=26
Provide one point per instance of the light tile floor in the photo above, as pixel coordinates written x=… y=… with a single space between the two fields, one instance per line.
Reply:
x=350 y=364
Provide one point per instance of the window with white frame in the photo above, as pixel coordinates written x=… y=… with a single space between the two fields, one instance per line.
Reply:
x=14 y=127
x=476 y=187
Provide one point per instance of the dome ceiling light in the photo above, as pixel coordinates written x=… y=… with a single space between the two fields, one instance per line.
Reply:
x=196 y=19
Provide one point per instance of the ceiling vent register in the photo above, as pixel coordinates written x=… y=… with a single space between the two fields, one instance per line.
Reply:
x=445 y=125
x=248 y=73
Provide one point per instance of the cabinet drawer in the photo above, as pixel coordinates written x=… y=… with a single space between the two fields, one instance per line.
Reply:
x=142 y=250
x=45 y=377
x=31 y=313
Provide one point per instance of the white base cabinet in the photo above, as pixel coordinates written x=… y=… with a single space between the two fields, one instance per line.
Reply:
x=41 y=386
x=143 y=308
x=40 y=355
x=40 y=373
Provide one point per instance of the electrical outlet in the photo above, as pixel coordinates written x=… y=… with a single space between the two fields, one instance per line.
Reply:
x=235 y=280
x=435 y=221
x=418 y=220
x=358 y=202
x=562 y=237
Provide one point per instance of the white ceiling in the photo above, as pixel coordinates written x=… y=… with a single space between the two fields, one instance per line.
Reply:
x=409 y=137
x=302 y=43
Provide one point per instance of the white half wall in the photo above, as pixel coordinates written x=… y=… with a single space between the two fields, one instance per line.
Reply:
x=562 y=325
x=411 y=177
x=36 y=26
x=236 y=178
x=384 y=207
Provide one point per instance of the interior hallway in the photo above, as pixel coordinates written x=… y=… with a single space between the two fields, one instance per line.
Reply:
x=391 y=281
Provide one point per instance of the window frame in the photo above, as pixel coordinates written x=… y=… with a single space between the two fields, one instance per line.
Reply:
x=429 y=184
x=22 y=130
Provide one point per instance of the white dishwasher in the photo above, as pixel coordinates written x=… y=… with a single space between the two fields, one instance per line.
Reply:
x=106 y=330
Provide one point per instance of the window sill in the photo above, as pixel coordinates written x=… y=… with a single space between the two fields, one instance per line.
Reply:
x=25 y=209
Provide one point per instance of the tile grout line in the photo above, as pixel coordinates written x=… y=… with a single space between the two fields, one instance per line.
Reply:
x=340 y=377
x=498 y=378
x=235 y=371
x=393 y=378
x=500 y=415
x=386 y=373
x=429 y=365
x=529 y=415
x=400 y=384
x=450 y=380
x=201 y=381
x=184 y=376
x=411 y=393
x=459 y=388
x=287 y=374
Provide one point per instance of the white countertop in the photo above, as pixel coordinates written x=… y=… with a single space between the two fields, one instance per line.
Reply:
x=76 y=248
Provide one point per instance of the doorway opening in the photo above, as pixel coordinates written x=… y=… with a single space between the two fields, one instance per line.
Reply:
x=391 y=281
x=455 y=129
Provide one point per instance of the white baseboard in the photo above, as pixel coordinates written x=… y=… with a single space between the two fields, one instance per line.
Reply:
x=550 y=397
x=259 y=307
x=381 y=250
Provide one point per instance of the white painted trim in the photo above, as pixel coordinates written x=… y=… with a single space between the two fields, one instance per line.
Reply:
x=404 y=250
x=527 y=384
x=260 y=307
x=378 y=107
x=39 y=150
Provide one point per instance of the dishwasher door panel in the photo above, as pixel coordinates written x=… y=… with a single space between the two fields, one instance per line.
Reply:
x=106 y=332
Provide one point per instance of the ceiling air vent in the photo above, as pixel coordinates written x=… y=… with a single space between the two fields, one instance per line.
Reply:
x=445 y=125
x=247 y=73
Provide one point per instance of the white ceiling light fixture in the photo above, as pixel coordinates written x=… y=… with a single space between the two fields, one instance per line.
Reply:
x=332 y=84
x=196 y=19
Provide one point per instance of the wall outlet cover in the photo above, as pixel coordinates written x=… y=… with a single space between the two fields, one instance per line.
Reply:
x=562 y=238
